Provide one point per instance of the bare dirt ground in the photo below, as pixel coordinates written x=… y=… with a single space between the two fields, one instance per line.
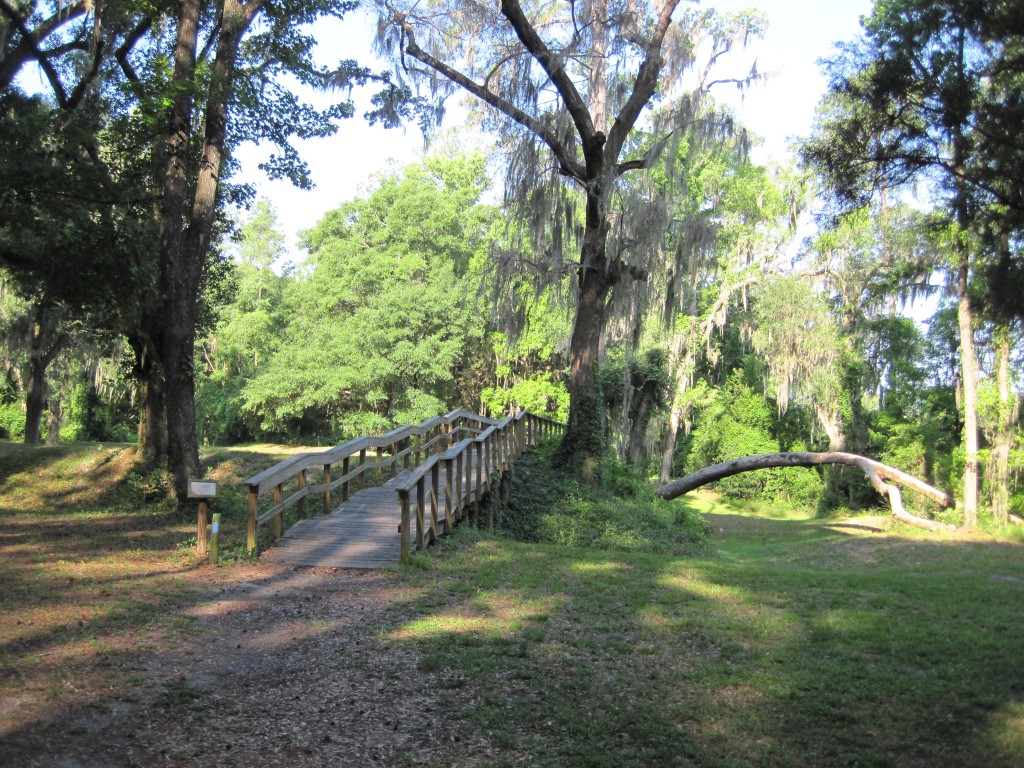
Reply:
x=276 y=667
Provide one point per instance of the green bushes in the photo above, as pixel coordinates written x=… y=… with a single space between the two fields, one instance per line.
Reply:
x=622 y=514
x=738 y=422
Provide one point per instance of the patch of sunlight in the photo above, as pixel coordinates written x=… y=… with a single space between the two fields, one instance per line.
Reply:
x=606 y=566
x=1006 y=730
x=842 y=620
x=447 y=624
x=694 y=585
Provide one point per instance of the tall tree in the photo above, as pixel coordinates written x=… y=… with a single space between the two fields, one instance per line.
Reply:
x=376 y=331
x=909 y=103
x=568 y=87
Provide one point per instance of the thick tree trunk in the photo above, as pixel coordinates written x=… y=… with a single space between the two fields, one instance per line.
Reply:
x=44 y=345
x=185 y=249
x=874 y=471
x=584 y=442
x=35 y=401
x=148 y=374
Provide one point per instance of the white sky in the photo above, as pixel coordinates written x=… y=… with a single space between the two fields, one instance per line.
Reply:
x=799 y=33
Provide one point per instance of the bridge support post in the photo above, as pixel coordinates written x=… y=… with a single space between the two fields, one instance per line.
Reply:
x=403 y=527
x=327 y=489
x=251 y=503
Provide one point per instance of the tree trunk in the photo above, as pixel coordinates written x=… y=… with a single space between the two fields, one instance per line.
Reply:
x=874 y=470
x=1009 y=413
x=638 y=423
x=153 y=419
x=35 y=401
x=54 y=419
x=44 y=345
x=969 y=377
x=185 y=249
x=584 y=438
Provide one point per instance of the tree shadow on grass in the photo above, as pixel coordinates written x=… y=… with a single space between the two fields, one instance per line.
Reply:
x=804 y=646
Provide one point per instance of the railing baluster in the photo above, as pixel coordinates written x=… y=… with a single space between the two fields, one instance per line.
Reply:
x=300 y=508
x=278 y=526
x=327 y=488
x=403 y=526
x=458 y=486
x=449 y=522
x=420 y=513
x=344 y=473
x=434 y=483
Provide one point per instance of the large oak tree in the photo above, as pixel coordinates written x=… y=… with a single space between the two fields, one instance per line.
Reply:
x=570 y=90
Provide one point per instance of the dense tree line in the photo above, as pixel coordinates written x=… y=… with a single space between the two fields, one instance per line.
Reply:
x=639 y=278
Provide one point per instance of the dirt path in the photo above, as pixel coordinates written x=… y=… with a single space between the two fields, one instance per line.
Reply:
x=285 y=668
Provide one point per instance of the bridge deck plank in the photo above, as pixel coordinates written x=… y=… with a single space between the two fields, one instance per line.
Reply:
x=359 y=533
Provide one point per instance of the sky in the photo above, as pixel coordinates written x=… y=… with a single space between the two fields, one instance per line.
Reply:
x=343 y=166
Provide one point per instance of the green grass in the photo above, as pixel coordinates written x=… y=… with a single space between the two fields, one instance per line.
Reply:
x=802 y=642
x=786 y=641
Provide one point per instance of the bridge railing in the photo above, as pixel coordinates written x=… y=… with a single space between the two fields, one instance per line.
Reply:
x=347 y=466
x=468 y=469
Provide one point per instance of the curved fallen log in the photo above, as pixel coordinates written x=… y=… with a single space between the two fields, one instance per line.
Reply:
x=874 y=471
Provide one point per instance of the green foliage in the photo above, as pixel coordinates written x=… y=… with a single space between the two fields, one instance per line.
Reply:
x=622 y=513
x=12 y=421
x=738 y=422
x=375 y=330
x=89 y=416
x=540 y=394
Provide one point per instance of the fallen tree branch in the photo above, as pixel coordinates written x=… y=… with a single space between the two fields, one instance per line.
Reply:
x=874 y=470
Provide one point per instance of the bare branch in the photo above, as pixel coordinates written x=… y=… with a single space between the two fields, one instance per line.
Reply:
x=552 y=65
x=643 y=88
x=568 y=166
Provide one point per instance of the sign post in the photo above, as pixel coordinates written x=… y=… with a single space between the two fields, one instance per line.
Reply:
x=204 y=490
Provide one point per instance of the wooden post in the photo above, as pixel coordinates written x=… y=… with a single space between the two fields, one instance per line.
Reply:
x=201 y=529
x=344 y=473
x=449 y=521
x=458 y=487
x=327 y=489
x=251 y=502
x=479 y=471
x=215 y=539
x=300 y=508
x=279 y=517
x=420 y=513
x=378 y=457
x=469 y=474
x=362 y=469
x=435 y=481
x=403 y=528
x=405 y=450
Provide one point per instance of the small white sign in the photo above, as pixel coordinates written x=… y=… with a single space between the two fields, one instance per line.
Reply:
x=202 y=489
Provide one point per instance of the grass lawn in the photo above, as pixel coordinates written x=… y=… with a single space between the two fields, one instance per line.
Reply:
x=800 y=643
x=793 y=642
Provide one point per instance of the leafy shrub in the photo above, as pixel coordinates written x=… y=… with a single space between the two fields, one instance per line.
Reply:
x=738 y=422
x=540 y=394
x=624 y=514
x=12 y=421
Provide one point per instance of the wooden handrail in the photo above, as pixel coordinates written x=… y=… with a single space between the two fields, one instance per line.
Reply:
x=391 y=451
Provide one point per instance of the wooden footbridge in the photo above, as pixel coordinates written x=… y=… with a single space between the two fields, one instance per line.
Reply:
x=383 y=496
